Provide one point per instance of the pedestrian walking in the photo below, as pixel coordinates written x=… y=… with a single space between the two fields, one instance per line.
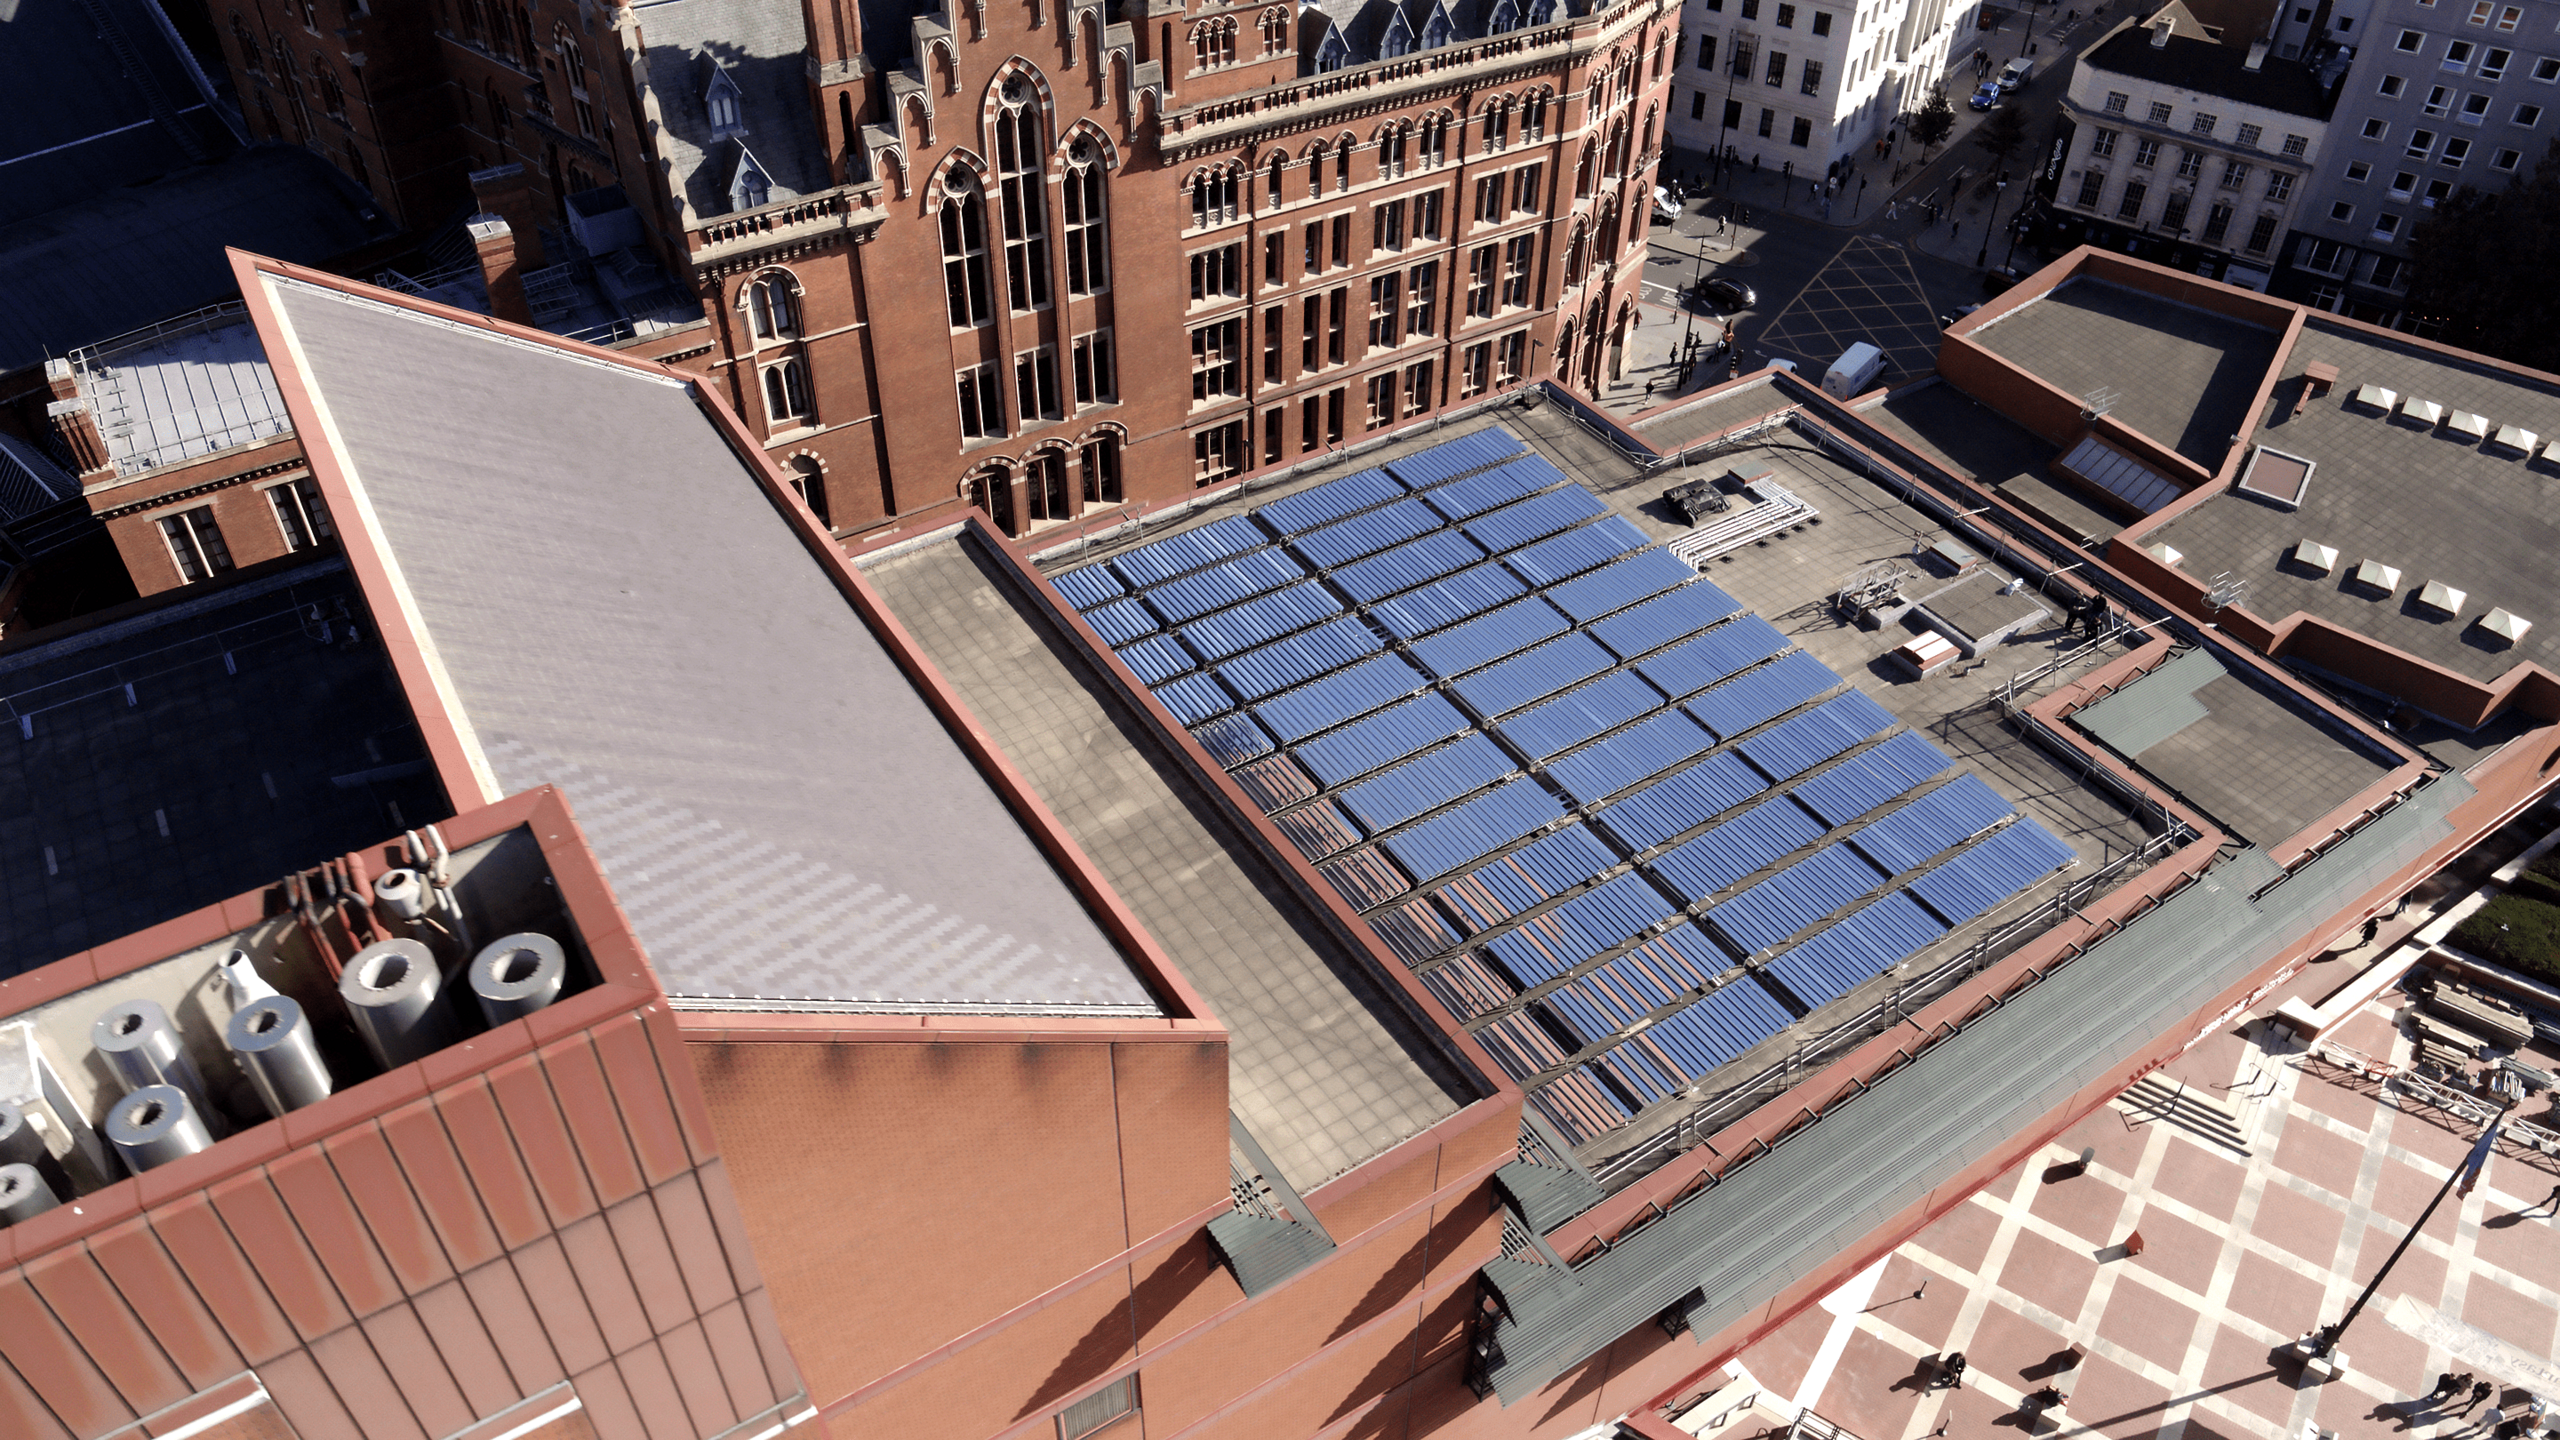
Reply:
x=1755 y=162
x=2551 y=1202
x=1955 y=1364
x=2495 y=1420
x=2479 y=1392
x=2444 y=1382
x=1787 y=171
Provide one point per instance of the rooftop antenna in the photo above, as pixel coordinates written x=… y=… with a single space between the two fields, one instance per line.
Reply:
x=2099 y=401
x=2226 y=590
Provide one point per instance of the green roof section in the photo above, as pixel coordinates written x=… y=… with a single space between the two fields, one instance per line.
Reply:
x=2154 y=707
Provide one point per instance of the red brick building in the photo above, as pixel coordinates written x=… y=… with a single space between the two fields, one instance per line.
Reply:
x=1168 y=249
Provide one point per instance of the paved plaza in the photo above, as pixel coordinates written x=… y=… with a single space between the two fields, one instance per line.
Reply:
x=2260 y=1221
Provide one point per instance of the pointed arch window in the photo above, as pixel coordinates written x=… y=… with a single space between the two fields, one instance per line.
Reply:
x=1213 y=198
x=573 y=69
x=1213 y=44
x=964 y=254
x=1087 y=230
x=1100 y=462
x=501 y=123
x=720 y=103
x=1019 y=150
x=772 y=303
x=1275 y=32
x=786 y=393
x=809 y=482
x=252 y=58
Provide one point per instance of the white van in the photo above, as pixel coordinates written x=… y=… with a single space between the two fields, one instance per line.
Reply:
x=2015 y=73
x=1855 y=370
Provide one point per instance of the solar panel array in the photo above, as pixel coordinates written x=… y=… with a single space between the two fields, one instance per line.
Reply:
x=1623 y=828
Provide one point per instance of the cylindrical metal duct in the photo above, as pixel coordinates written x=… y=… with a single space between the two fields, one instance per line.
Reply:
x=19 y=1142
x=24 y=1194
x=517 y=975
x=273 y=1043
x=155 y=1125
x=246 y=983
x=141 y=1047
x=392 y=991
x=403 y=892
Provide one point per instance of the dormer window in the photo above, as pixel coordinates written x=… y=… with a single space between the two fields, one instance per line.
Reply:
x=748 y=187
x=720 y=99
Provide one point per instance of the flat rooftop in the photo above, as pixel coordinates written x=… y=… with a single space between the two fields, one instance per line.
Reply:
x=2183 y=376
x=2223 y=741
x=2429 y=502
x=1455 y=911
x=160 y=762
x=1325 y=1067
x=183 y=389
x=1967 y=437
x=749 y=761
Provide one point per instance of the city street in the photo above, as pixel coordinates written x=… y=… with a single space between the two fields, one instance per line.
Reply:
x=1880 y=260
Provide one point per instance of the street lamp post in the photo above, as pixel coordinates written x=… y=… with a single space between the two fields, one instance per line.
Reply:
x=2017 y=226
x=2324 y=1341
x=2000 y=189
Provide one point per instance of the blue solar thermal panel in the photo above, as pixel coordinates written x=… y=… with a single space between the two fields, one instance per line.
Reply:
x=1539 y=951
x=1632 y=1068
x=1457 y=837
x=1615 y=587
x=1364 y=878
x=1161 y=560
x=1469 y=987
x=1089 y=586
x=1219 y=586
x=1577 y=715
x=1231 y=740
x=1425 y=784
x=1615 y=912
x=1489 y=637
x=1762 y=695
x=1382 y=739
x=1344 y=541
x=1940 y=820
x=1455 y=457
x=2006 y=862
x=1856 y=950
x=1323 y=504
x=1648 y=748
x=1522 y=1044
x=1820 y=885
x=1342 y=695
x=1702 y=660
x=1580 y=1104
x=1587 y=1023
x=1255 y=622
x=1194 y=698
x=1677 y=803
x=1283 y=663
x=1538 y=871
x=1699 y=868
x=1657 y=623
x=1564 y=556
x=1415 y=562
x=1446 y=602
x=1274 y=782
x=1625 y=990
x=1494 y=488
x=1706 y=1034
x=1414 y=931
x=1790 y=749
x=1120 y=621
x=1533 y=675
x=1851 y=789
x=1156 y=659
x=1318 y=830
x=1513 y=526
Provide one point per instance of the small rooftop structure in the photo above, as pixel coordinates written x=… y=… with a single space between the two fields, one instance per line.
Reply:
x=2373 y=573
x=2313 y=555
x=2440 y=597
x=2463 y=422
x=2378 y=398
x=181 y=389
x=2276 y=477
x=2505 y=625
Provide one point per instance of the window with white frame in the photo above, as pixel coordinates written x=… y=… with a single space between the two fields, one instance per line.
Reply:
x=1217 y=361
x=2422 y=143
x=1020 y=153
x=2439 y=102
x=2102 y=143
x=2279 y=186
x=1035 y=384
x=2190 y=164
x=2234 y=174
x=300 y=515
x=2506 y=160
x=2159 y=112
x=1108 y=1405
x=2475 y=108
x=1087 y=237
x=773 y=307
x=2457 y=56
x=2377 y=130
x=2493 y=66
x=195 y=544
x=786 y=391
x=2342 y=212
x=1096 y=382
x=2359 y=171
x=966 y=290
x=2410 y=42
x=2455 y=152
x=2527 y=115
x=2117 y=100
x=2247 y=139
x=2392 y=86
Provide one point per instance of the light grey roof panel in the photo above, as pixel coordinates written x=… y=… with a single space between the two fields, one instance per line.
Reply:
x=2154 y=707
x=622 y=612
x=1743 y=1240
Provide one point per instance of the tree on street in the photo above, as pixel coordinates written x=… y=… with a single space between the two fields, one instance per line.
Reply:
x=2483 y=263
x=1934 y=120
x=2002 y=135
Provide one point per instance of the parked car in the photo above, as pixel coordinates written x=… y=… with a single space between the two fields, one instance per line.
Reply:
x=1666 y=206
x=1986 y=96
x=1726 y=296
x=2016 y=73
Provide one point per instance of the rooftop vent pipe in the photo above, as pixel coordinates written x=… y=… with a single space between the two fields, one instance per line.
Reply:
x=155 y=1125
x=391 y=988
x=24 y=1194
x=402 y=893
x=141 y=1047
x=273 y=1043
x=22 y=1143
x=517 y=975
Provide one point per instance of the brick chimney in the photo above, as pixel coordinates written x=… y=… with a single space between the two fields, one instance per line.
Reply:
x=2257 y=56
x=506 y=191
x=2161 y=28
x=495 y=242
x=73 y=422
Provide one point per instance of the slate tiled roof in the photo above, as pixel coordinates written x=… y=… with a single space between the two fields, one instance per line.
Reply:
x=762 y=44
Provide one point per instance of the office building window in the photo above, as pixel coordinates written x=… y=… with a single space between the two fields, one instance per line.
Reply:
x=1216 y=361
x=195 y=543
x=1035 y=384
x=1097 y=383
x=981 y=403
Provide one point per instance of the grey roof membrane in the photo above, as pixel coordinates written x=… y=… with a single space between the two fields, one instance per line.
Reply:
x=1742 y=1241
x=123 y=257
x=2154 y=707
x=620 y=611
x=763 y=45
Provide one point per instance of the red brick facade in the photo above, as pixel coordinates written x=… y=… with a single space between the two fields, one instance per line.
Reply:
x=1284 y=261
